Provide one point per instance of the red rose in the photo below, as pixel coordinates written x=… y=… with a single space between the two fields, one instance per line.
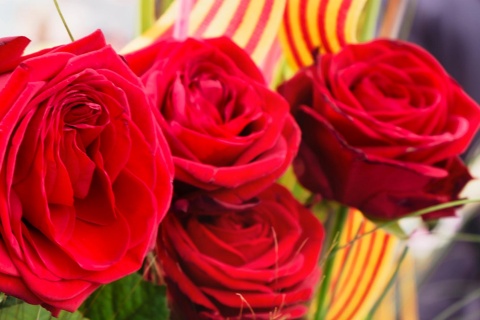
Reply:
x=85 y=173
x=228 y=132
x=382 y=127
x=250 y=261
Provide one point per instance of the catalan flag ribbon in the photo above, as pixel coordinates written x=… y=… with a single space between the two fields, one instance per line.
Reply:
x=325 y=25
x=362 y=270
x=251 y=24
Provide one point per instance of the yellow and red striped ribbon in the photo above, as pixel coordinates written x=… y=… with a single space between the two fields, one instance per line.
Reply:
x=362 y=270
x=325 y=25
x=401 y=300
x=251 y=24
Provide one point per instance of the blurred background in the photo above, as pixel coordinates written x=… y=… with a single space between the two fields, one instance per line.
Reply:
x=450 y=31
x=39 y=20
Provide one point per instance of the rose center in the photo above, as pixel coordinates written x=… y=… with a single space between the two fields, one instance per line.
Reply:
x=83 y=114
x=230 y=221
x=80 y=111
x=211 y=90
x=83 y=111
x=210 y=95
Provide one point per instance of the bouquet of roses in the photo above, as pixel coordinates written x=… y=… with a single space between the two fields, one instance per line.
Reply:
x=156 y=183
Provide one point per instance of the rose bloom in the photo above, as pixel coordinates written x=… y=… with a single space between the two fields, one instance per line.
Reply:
x=257 y=260
x=383 y=125
x=85 y=173
x=229 y=134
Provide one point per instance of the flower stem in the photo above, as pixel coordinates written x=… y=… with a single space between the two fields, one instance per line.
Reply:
x=418 y=213
x=63 y=20
x=147 y=14
x=389 y=285
x=338 y=223
x=458 y=305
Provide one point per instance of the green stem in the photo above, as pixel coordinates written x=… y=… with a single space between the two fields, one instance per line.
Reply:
x=346 y=259
x=332 y=243
x=418 y=213
x=389 y=285
x=63 y=20
x=448 y=312
x=147 y=14
x=372 y=10
x=466 y=237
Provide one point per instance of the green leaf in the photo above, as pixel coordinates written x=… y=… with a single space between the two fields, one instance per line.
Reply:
x=129 y=298
x=22 y=310
x=8 y=301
